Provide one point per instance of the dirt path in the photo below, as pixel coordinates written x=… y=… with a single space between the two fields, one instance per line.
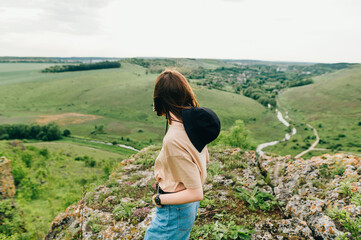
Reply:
x=313 y=145
x=287 y=135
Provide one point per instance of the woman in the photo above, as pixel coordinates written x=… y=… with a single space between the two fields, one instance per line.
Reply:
x=180 y=168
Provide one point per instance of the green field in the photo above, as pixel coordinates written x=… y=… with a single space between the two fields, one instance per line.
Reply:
x=118 y=99
x=50 y=181
x=332 y=105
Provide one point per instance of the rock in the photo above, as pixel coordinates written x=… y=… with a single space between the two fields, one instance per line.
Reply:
x=222 y=180
x=304 y=190
x=303 y=208
x=323 y=227
x=7 y=185
x=293 y=228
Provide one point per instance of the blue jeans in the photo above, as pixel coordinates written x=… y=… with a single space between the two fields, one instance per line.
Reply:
x=173 y=222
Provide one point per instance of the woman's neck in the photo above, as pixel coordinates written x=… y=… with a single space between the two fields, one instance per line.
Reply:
x=175 y=120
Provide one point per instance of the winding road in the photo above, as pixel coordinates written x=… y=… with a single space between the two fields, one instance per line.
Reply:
x=287 y=135
x=313 y=145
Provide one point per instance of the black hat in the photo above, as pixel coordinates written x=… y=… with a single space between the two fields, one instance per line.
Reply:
x=202 y=126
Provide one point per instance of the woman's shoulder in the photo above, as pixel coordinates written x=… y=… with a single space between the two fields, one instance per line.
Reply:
x=176 y=138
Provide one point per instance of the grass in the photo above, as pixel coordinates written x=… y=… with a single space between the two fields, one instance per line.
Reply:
x=121 y=99
x=58 y=178
x=331 y=105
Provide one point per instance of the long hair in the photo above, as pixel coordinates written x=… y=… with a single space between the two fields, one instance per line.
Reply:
x=172 y=93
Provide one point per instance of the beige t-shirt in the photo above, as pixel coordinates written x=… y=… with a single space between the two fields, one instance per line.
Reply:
x=179 y=165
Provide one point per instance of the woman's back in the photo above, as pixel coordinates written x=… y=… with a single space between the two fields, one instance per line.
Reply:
x=179 y=164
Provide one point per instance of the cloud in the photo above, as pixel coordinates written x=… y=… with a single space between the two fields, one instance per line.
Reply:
x=79 y=17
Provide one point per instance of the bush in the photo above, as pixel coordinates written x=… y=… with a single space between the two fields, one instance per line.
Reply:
x=123 y=211
x=94 y=223
x=11 y=219
x=90 y=162
x=349 y=222
x=237 y=136
x=18 y=173
x=44 y=152
x=29 y=189
x=27 y=158
x=257 y=199
x=221 y=231
x=66 y=132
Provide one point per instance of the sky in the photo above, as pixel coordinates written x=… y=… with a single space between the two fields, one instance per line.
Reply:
x=273 y=30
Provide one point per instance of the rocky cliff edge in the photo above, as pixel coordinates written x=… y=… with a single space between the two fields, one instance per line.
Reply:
x=244 y=198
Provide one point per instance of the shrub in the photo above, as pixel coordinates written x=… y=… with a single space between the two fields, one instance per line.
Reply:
x=237 y=136
x=123 y=211
x=66 y=133
x=11 y=219
x=356 y=199
x=27 y=158
x=256 y=199
x=29 y=189
x=94 y=223
x=346 y=188
x=90 y=162
x=141 y=213
x=221 y=231
x=18 y=173
x=44 y=152
x=348 y=222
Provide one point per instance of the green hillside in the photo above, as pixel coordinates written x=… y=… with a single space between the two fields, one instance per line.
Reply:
x=49 y=176
x=119 y=99
x=332 y=105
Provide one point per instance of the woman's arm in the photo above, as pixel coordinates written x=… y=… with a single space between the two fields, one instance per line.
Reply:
x=182 y=197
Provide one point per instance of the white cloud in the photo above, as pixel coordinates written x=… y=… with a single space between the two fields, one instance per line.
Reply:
x=308 y=30
x=63 y=16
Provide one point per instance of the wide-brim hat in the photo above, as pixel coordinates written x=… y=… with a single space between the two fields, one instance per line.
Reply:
x=202 y=126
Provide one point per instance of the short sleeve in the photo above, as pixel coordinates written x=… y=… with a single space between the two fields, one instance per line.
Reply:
x=185 y=170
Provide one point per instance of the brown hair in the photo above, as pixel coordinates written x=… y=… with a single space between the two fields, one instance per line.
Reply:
x=172 y=93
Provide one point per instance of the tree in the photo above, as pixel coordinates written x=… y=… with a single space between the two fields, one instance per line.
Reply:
x=66 y=133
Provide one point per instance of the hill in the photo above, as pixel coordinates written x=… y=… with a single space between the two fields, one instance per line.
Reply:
x=48 y=177
x=331 y=105
x=245 y=197
x=120 y=100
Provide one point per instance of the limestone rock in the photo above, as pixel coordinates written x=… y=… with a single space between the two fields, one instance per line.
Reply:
x=7 y=186
x=293 y=228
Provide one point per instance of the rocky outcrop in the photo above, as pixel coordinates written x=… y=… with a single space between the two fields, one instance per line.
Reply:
x=297 y=196
x=309 y=188
x=7 y=187
x=114 y=210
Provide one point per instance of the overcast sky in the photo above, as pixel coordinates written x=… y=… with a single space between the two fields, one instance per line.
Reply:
x=284 y=30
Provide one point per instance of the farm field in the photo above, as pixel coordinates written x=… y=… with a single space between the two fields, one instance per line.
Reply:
x=119 y=99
